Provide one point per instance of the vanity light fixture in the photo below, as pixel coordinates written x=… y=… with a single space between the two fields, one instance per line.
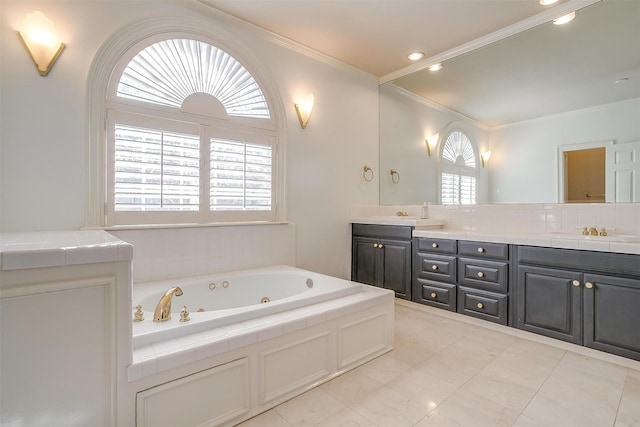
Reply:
x=304 y=108
x=432 y=141
x=547 y=2
x=436 y=67
x=42 y=40
x=564 y=18
x=415 y=56
x=485 y=157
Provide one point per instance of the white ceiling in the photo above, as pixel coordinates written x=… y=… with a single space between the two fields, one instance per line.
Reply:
x=376 y=36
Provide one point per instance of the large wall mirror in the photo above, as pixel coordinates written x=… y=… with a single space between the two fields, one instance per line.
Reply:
x=526 y=98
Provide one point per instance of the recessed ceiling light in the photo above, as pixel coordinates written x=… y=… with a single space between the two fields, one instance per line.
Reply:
x=547 y=2
x=564 y=18
x=436 y=67
x=415 y=56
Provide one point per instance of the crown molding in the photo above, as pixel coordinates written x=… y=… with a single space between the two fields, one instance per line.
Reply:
x=281 y=40
x=518 y=27
x=439 y=107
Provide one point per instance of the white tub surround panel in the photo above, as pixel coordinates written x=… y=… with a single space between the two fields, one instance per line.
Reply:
x=65 y=302
x=260 y=363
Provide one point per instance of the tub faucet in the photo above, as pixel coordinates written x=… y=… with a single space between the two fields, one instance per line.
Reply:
x=163 y=309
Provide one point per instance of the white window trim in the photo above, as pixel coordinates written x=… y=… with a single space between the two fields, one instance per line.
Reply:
x=446 y=167
x=111 y=54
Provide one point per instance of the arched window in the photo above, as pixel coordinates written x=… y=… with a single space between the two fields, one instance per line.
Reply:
x=190 y=138
x=458 y=169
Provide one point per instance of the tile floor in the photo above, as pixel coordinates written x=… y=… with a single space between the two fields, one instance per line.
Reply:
x=450 y=370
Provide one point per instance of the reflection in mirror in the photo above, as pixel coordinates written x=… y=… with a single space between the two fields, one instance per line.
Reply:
x=522 y=98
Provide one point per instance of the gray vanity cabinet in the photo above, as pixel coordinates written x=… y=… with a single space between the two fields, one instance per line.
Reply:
x=588 y=298
x=381 y=256
x=612 y=314
x=549 y=302
x=483 y=280
x=435 y=272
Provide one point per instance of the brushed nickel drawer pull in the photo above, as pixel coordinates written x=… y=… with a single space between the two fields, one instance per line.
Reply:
x=380 y=245
x=433 y=295
x=588 y=285
x=375 y=245
x=480 y=274
x=480 y=305
x=480 y=250
x=434 y=267
x=434 y=245
x=576 y=283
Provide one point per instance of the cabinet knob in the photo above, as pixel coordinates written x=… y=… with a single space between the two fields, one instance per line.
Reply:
x=480 y=274
x=480 y=305
x=433 y=295
x=480 y=250
x=588 y=285
x=380 y=245
x=576 y=283
x=375 y=245
x=434 y=267
x=434 y=245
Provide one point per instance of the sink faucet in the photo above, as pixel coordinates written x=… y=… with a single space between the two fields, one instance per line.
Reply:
x=163 y=309
x=593 y=231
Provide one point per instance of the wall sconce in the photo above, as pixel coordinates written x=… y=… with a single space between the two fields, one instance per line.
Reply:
x=40 y=37
x=432 y=141
x=304 y=108
x=485 y=157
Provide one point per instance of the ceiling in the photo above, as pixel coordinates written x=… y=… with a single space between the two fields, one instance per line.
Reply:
x=504 y=62
x=376 y=36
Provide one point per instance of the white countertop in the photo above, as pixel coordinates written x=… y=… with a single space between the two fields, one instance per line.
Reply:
x=551 y=240
x=411 y=221
x=58 y=248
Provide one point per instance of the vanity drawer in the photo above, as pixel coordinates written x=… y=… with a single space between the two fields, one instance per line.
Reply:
x=436 y=267
x=484 y=250
x=488 y=275
x=437 y=294
x=438 y=246
x=484 y=305
x=382 y=231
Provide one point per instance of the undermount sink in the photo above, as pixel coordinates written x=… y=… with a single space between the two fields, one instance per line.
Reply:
x=610 y=238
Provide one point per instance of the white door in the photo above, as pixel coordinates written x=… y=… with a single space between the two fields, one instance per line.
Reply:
x=623 y=172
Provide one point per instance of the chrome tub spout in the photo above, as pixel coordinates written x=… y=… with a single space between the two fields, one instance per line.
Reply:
x=163 y=309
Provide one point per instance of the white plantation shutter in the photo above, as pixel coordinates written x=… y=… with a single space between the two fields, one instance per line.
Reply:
x=167 y=164
x=458 y=176
x=156 y=170
x=240 y=175
x=167 y=72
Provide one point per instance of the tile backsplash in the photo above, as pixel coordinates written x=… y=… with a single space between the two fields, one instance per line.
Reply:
x=160 y=254
x=618 y=218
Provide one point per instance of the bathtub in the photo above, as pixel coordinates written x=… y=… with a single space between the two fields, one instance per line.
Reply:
x=222 y=299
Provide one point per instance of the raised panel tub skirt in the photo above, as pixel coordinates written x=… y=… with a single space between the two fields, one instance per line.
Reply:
x=265 y=359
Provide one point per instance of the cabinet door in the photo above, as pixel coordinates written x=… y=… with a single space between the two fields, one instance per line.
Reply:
x=396 y=267
x=549 y=302
x=612 y=315
x=364 y=260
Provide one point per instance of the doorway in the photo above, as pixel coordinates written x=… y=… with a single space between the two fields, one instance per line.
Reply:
x=585 y=176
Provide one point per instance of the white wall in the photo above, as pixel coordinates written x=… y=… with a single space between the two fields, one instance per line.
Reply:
x=407 y=121
x=524 y=160
x=43 y=141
